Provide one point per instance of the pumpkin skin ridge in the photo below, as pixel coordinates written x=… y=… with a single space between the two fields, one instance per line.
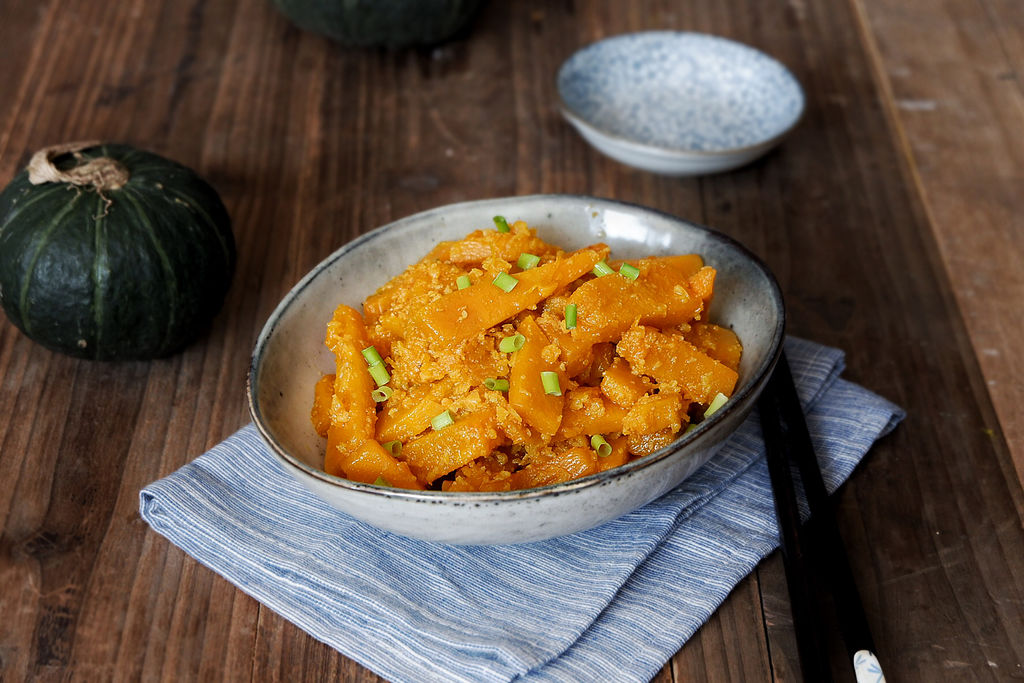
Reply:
x=32 y=200
x=172 y=281
x=116 y=319
x=228 y=259
x=98 y=280
x=23 y=298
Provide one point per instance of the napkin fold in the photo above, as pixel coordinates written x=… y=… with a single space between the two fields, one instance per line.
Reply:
x=618 y=600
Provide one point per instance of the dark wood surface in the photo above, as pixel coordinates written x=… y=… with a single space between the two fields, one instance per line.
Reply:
x=891 y=216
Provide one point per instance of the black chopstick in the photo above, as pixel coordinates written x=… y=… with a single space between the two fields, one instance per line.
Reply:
x=814 y=552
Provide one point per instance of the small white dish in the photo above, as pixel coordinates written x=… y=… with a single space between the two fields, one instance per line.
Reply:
x=679 y=103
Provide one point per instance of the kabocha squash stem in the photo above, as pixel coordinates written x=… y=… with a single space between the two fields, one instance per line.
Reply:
x=102 y=173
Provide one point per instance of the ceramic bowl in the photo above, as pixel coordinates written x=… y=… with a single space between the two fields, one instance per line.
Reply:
x=679 y=103
x=290 y=356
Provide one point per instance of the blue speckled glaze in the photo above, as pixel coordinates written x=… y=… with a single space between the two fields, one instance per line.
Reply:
x=681 y=91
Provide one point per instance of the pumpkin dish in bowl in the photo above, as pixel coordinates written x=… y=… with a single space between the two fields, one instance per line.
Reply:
x=500 y=362
x=290 y=358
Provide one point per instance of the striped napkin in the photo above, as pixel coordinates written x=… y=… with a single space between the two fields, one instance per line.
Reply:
x=614 y=602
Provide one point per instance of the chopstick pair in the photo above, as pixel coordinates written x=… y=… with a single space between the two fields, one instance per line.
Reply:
x=811 y=552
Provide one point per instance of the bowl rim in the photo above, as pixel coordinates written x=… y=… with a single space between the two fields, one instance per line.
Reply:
x=577 y=118
x=757 y=377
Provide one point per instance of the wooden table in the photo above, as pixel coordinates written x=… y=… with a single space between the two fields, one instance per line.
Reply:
x=892 y=217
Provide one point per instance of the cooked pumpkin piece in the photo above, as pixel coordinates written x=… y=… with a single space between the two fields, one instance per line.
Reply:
x=369 y=463
x=622 y=386
x=555 y=465
x=323 y=394
x=654 y=413
x=587 y=413
x=720 y=343
x=608 y=306
x=437 y=453
x=526 y=392
x=670 y=359
x=481 y=245
x=465 y=313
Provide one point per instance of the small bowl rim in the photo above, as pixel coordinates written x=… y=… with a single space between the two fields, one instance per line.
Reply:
x=462 y=497
x=579 y=119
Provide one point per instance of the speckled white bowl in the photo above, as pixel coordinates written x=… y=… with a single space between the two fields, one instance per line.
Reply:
x=679 y=103
x=290 y=357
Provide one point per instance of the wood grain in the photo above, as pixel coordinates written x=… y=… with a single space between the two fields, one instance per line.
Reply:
x=961 y=111
x=893 y=233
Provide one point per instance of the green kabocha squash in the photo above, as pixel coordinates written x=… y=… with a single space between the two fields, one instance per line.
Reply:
x=381 y=23
x=112 y=253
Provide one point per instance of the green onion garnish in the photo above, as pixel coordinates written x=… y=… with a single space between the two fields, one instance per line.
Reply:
x=381 y=481
x=496 y=384
x=570 y=316
x=502 y=224
x=550 y=381
x=599 y=444
x=601 y=268
x=371 y=356
x=442 y=420
x=393 y=447
x=690 y=427
x=380 y=374
x=717 y=402
x=505 y=282
x=527 y=261
x=510 y=344
x=462 y=281
x=381 y=394
x=628 y=271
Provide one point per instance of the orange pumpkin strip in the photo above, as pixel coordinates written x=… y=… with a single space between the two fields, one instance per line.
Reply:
x=437 y=453
x=320 y=414
x=526 y=392
x=608 y=306
x=368 y=462
x=587 y=413
x=466 y=313
x=669 y=358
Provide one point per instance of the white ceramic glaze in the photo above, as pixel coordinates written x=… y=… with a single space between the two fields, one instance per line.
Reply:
x=679 y=103
x=290 y=357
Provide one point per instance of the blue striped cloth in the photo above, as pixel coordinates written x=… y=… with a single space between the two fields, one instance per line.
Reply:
x=614 y=602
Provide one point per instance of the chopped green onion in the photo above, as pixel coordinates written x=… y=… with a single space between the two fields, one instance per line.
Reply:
x=381 y=394
x=570 y=316
x=371 y=356
x=502 y=224
x=393 y=447
x=380 y=374
x=510 y=344
x=527 y=261
x=381 y=481
x=599 y=444
x=550 y=381
x=462 y=281
x=690 y=427
x=505 y=282
x=601 y=268
x=629 y=272
x=441 y=420
x=717 y=402
x=496 y=384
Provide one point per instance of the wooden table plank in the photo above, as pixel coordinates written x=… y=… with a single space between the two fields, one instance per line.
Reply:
x=311 y=144
x=954 y=77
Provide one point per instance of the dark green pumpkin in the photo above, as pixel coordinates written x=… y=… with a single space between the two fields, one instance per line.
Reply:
x=381 y=23
x=130 y=268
